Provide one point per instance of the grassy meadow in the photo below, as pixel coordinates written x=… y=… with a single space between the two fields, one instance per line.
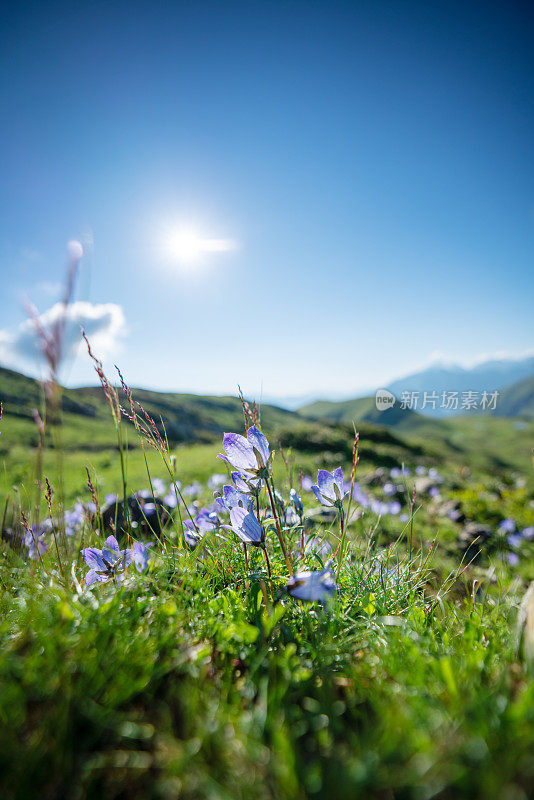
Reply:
x=203 y=674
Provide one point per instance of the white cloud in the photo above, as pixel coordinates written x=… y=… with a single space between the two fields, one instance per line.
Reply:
x=104 y=324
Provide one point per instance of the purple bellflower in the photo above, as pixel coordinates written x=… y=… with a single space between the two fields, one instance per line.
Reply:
x=311 y=586
x=330 y=489
x=250 y=455
x=110 y=562
x=232 y=498
x=246 y=483
x=246 y=527
x=296 y=502
x=34 y=542
x=204 y=522
x=191 y=536
x=140 y=555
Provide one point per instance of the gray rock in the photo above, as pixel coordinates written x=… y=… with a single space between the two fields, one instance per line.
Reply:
x=423 y=483
x=451 y=509
x=375 y=478
x=473 y=539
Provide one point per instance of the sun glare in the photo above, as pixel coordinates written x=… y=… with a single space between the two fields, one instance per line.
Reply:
x=186 y=247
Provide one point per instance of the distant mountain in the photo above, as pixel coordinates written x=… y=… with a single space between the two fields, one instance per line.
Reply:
x=517 y=400
x=363 y=409
x=486 y=376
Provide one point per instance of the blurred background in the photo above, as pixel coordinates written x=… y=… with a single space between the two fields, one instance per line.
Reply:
x=310 y=199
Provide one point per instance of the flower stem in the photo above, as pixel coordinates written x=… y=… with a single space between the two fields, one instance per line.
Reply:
x=341 y=545
x=246 y=556
x=268 y=565
x=278 y=528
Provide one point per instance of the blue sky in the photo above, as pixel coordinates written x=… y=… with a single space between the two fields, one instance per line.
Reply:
x=372 y=162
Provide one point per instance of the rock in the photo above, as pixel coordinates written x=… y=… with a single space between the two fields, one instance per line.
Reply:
x=473 y=539
x=376 y=478
x=143 y=516
x=451 y=509
x=423 y=483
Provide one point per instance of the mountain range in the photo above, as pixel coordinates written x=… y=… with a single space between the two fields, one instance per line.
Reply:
x=488 y=376
x=191 y=417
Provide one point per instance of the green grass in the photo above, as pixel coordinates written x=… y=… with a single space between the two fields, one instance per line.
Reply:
x=183 y=684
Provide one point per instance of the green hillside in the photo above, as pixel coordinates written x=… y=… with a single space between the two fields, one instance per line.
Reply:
x=362 y=409
x=87 y=419
x=517 y=400
x=194 y=425
x=483 y=444
x=475 y=440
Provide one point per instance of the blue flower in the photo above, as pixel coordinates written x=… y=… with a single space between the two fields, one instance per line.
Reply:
x=231 y=498
x=191 y=536
x=170 y=500
x=246 y=526
x=250 y=455
x=204 y=522
x=515 y=539
x=34 y=542
x=296 y=501
x=159 y=486
x=507 y=526
x=399 y=472
x=312 y=586
x=110 y=562
x=216 y=481
x=140 y=555
x=306 y=483
x=193 y=490
x=246 y=483
x=434 y=474
x=330 y=489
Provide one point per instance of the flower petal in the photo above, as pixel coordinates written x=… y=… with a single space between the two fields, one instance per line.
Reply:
x=140 y=556
x=112 y=544
x=93 y=558
x=258 y=441
x=239 y=451
x=325 y=481
x=246 y=526
x=93 y=577
x=338 y=478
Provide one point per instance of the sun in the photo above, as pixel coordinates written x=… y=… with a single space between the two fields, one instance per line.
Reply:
x=184 y=246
